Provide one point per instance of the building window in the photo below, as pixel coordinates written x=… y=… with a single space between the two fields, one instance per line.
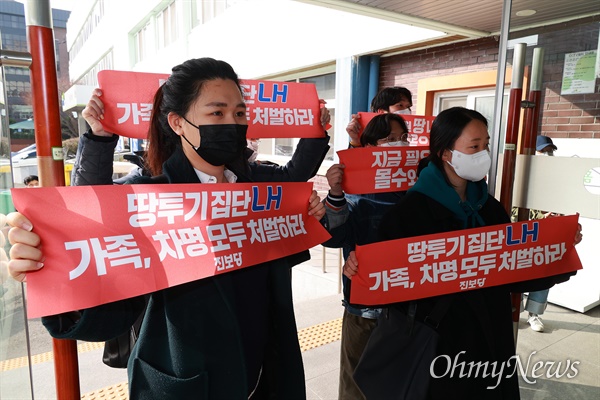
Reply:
x=325 y=85
x=57 y=54
x=196 y=14
x=205 y=10
x=481 y=100
x=91 y=77
x=166 y=24
x=143 y=43
x=15 y=42
x=208 y=11
x=87 y=29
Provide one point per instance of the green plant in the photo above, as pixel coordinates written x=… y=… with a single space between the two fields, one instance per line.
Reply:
x=23 y=134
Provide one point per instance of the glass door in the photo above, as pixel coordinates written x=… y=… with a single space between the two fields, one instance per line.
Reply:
x=15 y=365
x=480 y=100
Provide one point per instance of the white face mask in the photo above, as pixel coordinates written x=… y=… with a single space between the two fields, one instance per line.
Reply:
x=472 y=167
x=406 y=111
x=395 y=144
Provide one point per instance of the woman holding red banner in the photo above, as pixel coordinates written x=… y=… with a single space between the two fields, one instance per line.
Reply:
x=354 y=220
x=393 y=100
x=472 y=327
x=231 y=336
x=93 y=164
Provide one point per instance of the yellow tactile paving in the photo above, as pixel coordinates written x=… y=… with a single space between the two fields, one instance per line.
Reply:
x=319 y=335
x=310 y=338
x=44 y=357
x=114 y=392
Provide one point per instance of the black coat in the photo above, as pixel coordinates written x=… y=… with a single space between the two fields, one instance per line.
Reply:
x=95 y=154
x=365 y=214
x=190 y=344
x=478 y=321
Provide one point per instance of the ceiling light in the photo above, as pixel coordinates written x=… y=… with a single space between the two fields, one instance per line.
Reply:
x=525 y=13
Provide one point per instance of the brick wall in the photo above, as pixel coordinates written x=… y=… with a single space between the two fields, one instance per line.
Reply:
x=562 y=116
x=571 y=115
x=406 y=69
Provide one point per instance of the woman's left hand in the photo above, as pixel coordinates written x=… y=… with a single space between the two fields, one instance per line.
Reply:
x=578 y=235
x=325 y=116
x=315 y=207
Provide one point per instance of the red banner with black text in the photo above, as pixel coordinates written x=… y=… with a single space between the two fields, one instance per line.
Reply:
x=106 y=243
x=425 y=266
x=274 y=109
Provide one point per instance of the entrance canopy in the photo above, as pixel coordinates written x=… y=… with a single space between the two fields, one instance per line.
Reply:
x=26 y=124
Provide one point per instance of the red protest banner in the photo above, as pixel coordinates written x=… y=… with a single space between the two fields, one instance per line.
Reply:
x=451 y=262
x=380 y=169
x=106 y=243
x=282 y=109
x=418 y=126
x=275 y=109
x=127 y=98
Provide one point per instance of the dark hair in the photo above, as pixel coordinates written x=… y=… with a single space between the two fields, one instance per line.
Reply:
x=446 y=128
x=380 y=127
x=177 y=95
x=389 y=96
x=30 y=178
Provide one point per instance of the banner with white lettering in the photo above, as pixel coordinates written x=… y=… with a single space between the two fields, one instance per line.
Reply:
x=106 y=243
x=432 y=265
x=418 y=126
x=274 y=109
x=380 y=169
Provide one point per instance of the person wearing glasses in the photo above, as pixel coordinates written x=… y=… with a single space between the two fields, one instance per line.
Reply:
x=354 y=220
x=451 y=194
x=393 y=100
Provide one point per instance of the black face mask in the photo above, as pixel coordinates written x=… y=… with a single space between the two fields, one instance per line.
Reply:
x=220 y=144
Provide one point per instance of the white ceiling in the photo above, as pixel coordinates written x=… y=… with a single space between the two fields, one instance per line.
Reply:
x=461 y=19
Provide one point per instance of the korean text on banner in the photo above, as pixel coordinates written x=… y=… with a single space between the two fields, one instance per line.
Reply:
x=282 y=109
x=418 y=126
x=274 y=109
x=452 y=262
x=106 y=243
x=380 y=169
x=128 y=98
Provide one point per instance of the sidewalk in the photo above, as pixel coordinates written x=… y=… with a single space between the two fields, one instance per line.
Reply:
x=569 y=337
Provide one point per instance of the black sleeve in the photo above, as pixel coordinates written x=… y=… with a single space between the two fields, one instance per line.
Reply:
x=96 y=324
x=94 y=160
x=304 y=164
x=411 y=216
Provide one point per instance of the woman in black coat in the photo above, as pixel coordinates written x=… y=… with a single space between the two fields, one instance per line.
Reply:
x=231 y=336
x=451 y=194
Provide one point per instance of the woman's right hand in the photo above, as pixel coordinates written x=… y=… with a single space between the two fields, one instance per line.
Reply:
x=351 y=265
x=25 y=256
x=334 y=176
x=353 y=129
x=93 y=113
